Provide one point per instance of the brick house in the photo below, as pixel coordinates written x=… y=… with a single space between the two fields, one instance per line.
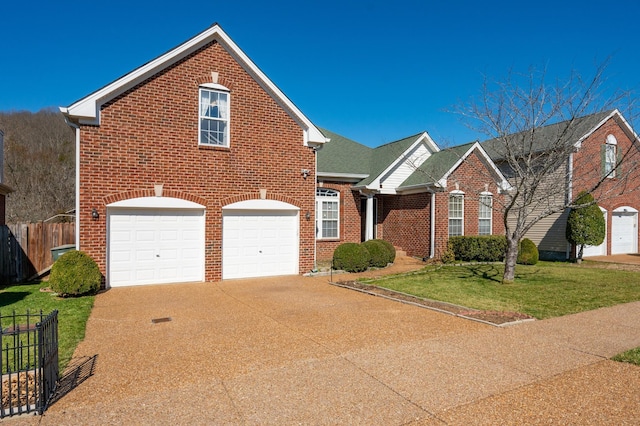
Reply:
x=605 y=150
x=409 y=192
x=194 y=167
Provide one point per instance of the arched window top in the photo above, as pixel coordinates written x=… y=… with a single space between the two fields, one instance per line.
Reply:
x=326 y=192
x=611 y=140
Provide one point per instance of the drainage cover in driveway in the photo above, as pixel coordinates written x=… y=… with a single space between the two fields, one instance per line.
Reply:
x=157 y=320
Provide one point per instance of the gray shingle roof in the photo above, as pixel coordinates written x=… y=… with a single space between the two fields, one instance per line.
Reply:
x=436 y=166
x=544 y=137
x=383 y=156
x=342 y=155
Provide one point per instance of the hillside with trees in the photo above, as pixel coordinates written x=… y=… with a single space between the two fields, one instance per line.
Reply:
x=39 y=164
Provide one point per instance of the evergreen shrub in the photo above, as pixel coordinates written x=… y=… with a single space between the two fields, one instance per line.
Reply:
x=527 y=253
x=75 y=274
x=351 y=257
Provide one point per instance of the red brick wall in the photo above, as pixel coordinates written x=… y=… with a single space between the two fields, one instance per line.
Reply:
x=149 y=135
x=406 y=222
x=349 y=220
x=471 y=176
x=623 y=190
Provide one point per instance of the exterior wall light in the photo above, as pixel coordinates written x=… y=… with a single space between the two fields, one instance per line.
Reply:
x=307 y=215
x=94 y=214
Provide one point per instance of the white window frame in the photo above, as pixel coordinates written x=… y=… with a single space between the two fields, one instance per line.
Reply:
x=456 y=195
x=330 y=197
x=610 y=156
x=486 y=213
x=223 y=115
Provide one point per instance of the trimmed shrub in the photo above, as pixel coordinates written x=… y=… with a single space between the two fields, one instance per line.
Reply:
x=585 y=224
x=483 y=248
x=527 y=253
x=390 y=249
x=448 y=256
x=75 y=274
x=378 y=253
x=351 y=257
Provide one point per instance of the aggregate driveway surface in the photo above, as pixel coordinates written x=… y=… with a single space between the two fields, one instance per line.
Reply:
x=295 y=350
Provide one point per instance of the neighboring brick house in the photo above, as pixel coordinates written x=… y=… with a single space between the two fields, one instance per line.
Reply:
x=605 y=150
x=195 y=167
x=408 y=192
x=4 y=189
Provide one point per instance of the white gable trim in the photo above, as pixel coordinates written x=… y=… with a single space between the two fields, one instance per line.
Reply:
x=615 y=112
x=402 y=158
x=503 y=184
x=87 y=109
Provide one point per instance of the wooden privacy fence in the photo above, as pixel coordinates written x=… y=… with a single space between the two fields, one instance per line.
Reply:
x=25 y=248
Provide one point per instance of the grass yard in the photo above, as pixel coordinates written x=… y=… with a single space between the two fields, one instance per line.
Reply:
x=632 y=356
x=545 y=290
x=72 y=313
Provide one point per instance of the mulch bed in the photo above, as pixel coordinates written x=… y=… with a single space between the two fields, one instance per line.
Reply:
x=18 y=391
x=493 y=317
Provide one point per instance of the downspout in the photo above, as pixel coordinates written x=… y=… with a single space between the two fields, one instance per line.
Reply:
x=77 y=131
x=433 y=226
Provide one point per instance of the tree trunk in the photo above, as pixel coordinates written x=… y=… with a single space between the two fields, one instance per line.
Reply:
x=510 y=258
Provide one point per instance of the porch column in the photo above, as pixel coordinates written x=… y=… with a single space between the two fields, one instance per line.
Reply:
x=368 y=233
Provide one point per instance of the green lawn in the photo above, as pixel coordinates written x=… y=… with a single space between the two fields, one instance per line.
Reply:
x=545 y=290
x=632 y=356
x=72 y=313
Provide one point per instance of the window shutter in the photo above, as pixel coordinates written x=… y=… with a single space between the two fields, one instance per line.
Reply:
x=618 y=172
x=603 y=159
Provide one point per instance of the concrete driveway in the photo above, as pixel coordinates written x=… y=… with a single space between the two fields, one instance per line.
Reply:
x=296 y=350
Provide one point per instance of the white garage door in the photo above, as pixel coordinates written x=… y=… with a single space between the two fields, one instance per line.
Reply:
x=154 y=246
x=624 y=231
x=600 y=250
x=259 y=242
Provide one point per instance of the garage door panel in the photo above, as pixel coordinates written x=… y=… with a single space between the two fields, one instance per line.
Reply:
x=260 y=243
x=152 y=246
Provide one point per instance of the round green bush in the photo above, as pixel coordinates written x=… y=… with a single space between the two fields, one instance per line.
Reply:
x=391 y=250
x=351 y=257
x=75 y=274
x=378 y=253
x=527 y=253
x=448 y=256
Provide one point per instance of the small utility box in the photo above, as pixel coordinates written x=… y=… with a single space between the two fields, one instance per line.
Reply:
x=56 y=252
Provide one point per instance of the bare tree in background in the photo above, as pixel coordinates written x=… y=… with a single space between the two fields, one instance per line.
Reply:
x=534 y=128
x=39 y=164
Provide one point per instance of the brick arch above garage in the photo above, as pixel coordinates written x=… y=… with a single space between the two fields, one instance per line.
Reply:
x=140 y=193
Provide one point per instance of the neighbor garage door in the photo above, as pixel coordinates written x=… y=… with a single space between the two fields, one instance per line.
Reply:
x=259 y=239
x=155 y=246
x=624 y=232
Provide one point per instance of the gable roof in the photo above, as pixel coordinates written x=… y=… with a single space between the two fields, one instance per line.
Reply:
x=388 y=155
x=87 y=109
x=437 y=169
x=545 y=136
x=343 y=158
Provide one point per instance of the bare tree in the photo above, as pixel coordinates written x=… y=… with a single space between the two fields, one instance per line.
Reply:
x=39 y=164
x=535 y=128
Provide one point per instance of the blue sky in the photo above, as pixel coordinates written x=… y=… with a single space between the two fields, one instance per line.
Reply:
x=374 y=71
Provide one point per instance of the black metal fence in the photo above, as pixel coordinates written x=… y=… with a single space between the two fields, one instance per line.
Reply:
x=28 y=362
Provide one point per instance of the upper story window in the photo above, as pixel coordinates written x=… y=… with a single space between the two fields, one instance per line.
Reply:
x=485 y=211
x=327 y=213
x=214 y=115
x=610 y=157
x=456 y=213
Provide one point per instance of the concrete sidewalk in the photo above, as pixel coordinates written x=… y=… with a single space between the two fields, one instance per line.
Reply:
x=294 y=350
